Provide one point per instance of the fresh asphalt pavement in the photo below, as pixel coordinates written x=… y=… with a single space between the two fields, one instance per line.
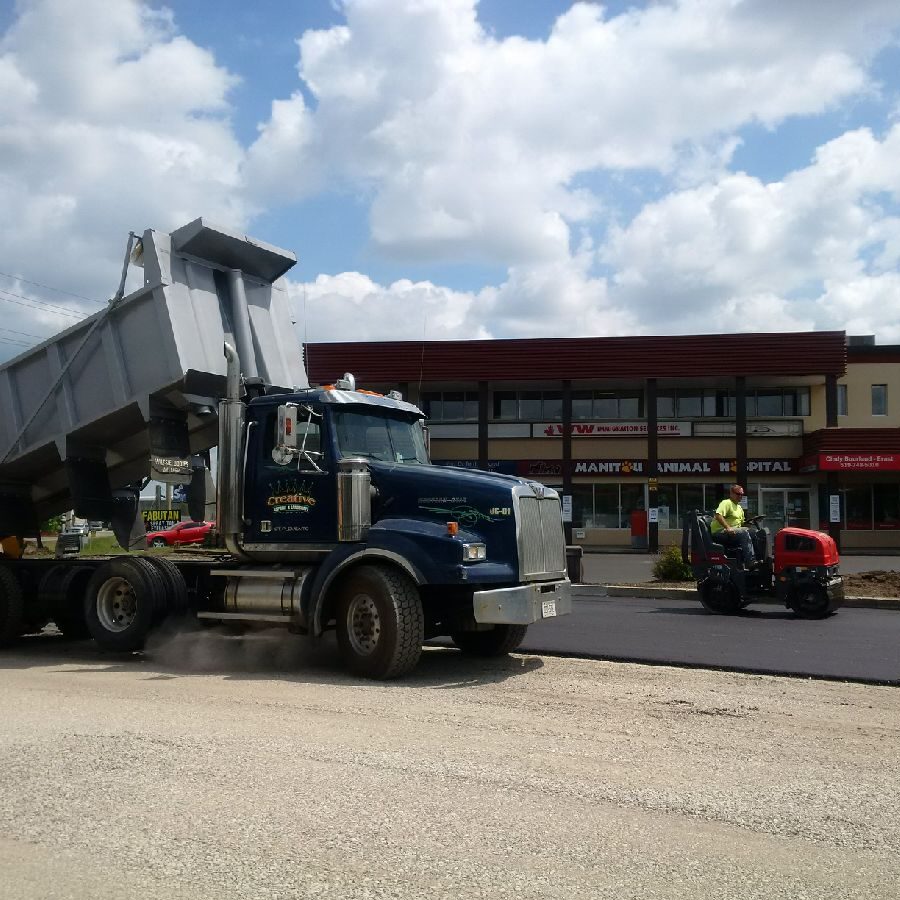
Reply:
x=637 y=568
x=854 y=644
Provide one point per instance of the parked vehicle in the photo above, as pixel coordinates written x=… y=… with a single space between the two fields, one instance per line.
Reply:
x=182 y=533
x=803 y=573
x=330 y=514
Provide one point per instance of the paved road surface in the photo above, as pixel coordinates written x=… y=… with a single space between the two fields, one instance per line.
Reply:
x=859 y=644
x=635 y=568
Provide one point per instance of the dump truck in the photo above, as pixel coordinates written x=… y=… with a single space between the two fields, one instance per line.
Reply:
x=329 y=514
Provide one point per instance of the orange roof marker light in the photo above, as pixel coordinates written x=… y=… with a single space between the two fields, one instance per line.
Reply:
x=453 y=528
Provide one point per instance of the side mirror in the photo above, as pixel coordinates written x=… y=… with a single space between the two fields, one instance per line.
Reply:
x=285 y=434
x=297 y=438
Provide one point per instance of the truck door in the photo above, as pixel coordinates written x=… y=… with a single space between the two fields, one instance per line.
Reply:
x=289 y=498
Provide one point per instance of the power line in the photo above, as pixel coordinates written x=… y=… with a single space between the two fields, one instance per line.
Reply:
x=47 y=287
x=15 y=342
x=25 y=334
x=33 y=303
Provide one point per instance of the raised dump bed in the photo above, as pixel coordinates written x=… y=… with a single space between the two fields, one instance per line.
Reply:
x=131 y=392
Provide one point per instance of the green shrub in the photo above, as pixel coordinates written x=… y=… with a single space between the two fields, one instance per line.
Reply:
x=669 y=566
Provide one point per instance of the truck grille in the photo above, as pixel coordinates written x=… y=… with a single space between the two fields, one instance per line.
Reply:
x=542 y=549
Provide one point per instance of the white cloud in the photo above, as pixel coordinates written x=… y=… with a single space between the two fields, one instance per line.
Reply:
x=821 y=238
x=351 y=306
x=110 y=122
x=470 y=144
x=471 y=148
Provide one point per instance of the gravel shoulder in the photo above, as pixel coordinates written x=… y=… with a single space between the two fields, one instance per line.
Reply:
x=223 y=768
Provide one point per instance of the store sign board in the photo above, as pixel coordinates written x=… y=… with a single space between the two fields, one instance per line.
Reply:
x=757 y=428
x=611 y=429
x=555 y=468
x=684 y=467
x=859 y=462
x=160 y=519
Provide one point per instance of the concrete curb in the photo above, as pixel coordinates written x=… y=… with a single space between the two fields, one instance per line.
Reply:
x=599 y=591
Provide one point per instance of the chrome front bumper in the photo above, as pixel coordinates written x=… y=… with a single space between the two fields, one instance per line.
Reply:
x=523 y=604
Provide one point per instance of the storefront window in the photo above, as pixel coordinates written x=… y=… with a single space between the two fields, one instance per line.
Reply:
x=858 y=506
x=690 y=496
x=632 y=498
x=583 y=506
x=666 y=506
x=606 y=506
x=886 y=505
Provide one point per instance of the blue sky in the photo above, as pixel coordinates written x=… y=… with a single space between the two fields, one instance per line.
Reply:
x=462 y=169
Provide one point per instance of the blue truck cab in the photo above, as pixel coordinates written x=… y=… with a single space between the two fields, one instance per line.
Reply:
x=383 y=546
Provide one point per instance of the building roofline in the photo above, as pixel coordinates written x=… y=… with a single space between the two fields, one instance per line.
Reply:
x=532 y=359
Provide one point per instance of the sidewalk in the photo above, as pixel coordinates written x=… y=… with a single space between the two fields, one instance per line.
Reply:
x=631 y=575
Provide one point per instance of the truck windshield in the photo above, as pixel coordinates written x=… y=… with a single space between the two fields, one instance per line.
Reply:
x=378 y=436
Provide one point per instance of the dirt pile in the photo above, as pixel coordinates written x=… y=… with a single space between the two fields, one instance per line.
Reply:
x=872 y=584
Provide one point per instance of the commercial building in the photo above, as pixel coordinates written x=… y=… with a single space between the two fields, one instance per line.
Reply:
x=639 y=430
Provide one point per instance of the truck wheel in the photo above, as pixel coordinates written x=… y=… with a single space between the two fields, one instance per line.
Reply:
x=122 y=603
x=720 y=597
x=12 y=621
x=380 y=623
x=176 y=598
x=811 y=602
x=61 y=593
x=499 y=641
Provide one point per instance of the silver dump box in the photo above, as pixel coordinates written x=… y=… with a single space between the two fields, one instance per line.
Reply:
x=131 y=392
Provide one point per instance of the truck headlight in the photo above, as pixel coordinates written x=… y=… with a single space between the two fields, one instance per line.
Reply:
x=474 y=552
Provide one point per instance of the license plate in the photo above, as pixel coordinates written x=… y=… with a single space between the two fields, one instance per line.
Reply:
x=548 y=608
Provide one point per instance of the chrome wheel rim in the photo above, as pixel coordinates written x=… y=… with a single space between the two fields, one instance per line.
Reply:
x=363 y=625
x=116 y=605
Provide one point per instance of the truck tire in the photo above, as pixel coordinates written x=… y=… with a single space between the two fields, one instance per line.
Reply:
x=811 y=602
x=721 y=598
x=123 y=601
x=12 y=620
x=176 y=598
x=380 y=622
x=61 y=593
x=499 y=641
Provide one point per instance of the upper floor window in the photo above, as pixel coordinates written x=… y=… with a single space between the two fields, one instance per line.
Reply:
x=451 y=406
x=842 y=399
x=695 y=403
x=607 y=405
x=528 y=406
x=879 y=399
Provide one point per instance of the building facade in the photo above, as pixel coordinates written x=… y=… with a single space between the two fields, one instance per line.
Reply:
x=639 y=430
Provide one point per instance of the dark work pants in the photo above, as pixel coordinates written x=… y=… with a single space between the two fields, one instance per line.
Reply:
x=740 y=538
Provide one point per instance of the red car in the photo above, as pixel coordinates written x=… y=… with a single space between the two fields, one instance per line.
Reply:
x=182 y=533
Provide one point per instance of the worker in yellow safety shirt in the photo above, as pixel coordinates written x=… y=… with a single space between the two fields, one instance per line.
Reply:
x=728 y=526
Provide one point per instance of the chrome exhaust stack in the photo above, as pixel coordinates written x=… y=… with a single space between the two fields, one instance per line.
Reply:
x=229 y=484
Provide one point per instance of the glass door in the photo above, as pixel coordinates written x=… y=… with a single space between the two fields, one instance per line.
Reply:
x=785 y=506
x=797 y=508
